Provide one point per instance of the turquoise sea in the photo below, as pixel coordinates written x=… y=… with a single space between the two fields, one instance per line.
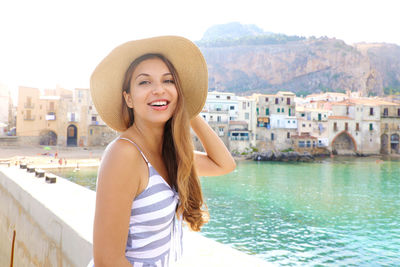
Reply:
x=337 y=212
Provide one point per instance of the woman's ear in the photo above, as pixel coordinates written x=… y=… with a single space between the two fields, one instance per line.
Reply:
x=128 y=99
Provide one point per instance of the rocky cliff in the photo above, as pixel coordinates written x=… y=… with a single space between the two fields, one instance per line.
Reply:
x=302 y=66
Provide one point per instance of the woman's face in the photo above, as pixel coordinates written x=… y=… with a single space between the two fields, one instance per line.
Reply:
x=153 y=94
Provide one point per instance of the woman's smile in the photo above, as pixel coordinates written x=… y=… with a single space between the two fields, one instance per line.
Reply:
x=159 y=104
x=153 y=95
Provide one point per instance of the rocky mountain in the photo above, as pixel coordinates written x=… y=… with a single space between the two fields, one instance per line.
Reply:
x=249 y=60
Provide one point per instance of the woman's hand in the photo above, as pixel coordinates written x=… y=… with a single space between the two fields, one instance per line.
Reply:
x=217 y=160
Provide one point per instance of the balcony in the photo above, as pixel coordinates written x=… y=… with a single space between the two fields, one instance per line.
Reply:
x=29 y=105
x=236 y=138
x=29 y=118
x=51 y=116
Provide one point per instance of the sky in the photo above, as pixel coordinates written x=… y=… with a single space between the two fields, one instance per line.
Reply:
x=45 y=43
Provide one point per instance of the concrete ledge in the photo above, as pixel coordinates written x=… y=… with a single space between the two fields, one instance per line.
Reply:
x=54 y=222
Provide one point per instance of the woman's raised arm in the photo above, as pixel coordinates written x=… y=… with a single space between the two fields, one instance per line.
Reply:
x=217 y=160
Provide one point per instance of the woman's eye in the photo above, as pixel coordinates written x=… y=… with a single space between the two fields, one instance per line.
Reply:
x=169 y=81
x=144 y=82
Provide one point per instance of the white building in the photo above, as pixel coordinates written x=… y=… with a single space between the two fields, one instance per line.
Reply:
x=355 y=126
x=5 y=109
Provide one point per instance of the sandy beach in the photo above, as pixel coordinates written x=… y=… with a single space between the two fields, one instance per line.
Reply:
x=52 y=156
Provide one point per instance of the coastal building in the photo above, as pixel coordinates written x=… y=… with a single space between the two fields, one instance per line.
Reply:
x=390 y=128
x=56 y=117
x=355 y=126
x=248 y=120
x=220 y=108
x=314 y=122
x=276 y=120
x=328 y=96
x=5 y=110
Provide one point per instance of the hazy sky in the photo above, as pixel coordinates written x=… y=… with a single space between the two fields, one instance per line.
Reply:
x=44 y=43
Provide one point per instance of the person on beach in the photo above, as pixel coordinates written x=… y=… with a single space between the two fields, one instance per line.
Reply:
x=151 y=91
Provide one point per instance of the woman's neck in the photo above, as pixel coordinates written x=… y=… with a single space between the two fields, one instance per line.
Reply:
x=152 y=135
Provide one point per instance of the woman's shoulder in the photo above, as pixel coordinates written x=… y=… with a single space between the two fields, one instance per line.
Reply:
x=123 y=151
x=122 y=166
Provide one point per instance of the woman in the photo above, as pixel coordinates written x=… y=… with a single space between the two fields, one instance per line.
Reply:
x=151 y=91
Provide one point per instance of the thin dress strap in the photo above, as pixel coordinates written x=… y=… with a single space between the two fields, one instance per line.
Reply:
x=129 y=140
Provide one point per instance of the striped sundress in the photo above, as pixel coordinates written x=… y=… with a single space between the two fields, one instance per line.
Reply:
x=155 y=232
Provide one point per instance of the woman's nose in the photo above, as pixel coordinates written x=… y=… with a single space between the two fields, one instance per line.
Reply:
x=158 y=88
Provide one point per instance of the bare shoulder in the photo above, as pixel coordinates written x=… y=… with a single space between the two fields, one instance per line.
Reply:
x=122 y=167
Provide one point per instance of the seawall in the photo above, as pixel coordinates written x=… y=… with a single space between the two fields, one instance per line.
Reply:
x=53 y=226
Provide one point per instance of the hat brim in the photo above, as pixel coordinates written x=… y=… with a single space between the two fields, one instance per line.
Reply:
x=106 y=80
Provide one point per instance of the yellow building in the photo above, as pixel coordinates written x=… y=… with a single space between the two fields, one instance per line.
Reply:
x=59 y=117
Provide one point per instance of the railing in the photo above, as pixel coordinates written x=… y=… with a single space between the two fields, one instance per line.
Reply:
x=29 y=105
x=31 y=118
x=218 y=122
x=390 y=116
x=233 y=138
x=51 y=117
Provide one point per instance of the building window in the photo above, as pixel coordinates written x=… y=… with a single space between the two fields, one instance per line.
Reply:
x=266 y=99
x=398 y=112
x=257 y=111
x=385 y=112
x=371 y=127
x=335 y=128
x=244 y=105
x=91 y=131
x=267 y=111
x=308 y=143
x=302 y=144
x=51 y=106
x=371 y=111
x=386 y=126
x=276 y=100
x=218 y=118
x=279 y=110
x=246 y=116
x=303 y=125
x=303 y=114
x=357 y=126
x=217 y=96
x=272 y=136
x=204 y=116
x=283 y=110
x=346 y=126
x=288 y=100
x=288 y=135
x=232 y=107
x=228 y=97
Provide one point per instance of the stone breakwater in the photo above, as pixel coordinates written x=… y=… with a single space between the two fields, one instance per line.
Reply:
x=284 y=156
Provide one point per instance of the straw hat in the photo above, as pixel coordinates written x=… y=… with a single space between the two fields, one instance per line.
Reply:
x=106 y=80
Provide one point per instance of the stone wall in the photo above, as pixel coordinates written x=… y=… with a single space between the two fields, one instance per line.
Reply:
x=52 y=222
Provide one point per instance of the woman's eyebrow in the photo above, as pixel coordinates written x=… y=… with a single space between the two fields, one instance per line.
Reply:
x=142 y=74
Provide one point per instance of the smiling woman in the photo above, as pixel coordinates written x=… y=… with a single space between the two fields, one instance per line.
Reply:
x=153 y=88
x=151 y=91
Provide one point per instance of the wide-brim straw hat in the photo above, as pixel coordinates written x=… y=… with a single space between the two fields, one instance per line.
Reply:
x=106 y=80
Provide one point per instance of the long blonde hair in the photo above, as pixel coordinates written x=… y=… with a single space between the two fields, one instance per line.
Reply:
x=177 y=150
